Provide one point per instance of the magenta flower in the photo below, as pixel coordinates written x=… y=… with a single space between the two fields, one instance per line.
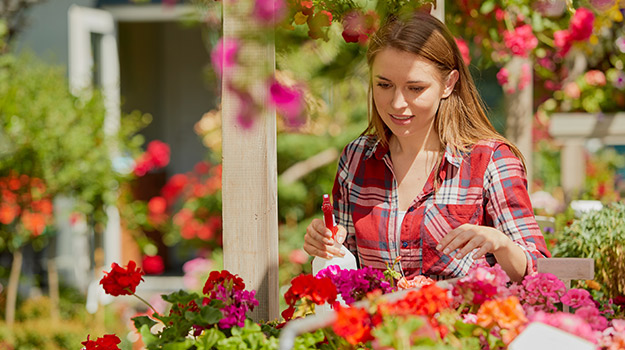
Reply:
x=289 y=101
x=591 y=314
x=562 y=40
x=581 y=24
x=542 y=289
x=520 y=41
x=464 y=50
x=269 y=12
x=577 y=298
x=248 y=110
x=503 y=76
x=224 y=55
x=573 y=324
x=482 y=283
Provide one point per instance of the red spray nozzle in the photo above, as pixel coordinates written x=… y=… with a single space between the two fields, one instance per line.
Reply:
x=328 y=218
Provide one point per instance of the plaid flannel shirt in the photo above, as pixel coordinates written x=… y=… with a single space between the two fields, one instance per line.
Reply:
x=486 y=186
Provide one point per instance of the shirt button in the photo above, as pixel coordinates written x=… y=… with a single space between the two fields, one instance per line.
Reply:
x=404 y=244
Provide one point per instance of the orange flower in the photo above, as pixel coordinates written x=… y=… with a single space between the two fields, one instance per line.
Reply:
x=505 y=313
x=8 y=213
x=34 y=222
x=353 y=324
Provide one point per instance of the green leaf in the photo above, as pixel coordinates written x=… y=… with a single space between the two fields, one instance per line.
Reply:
x=209 y=338
x=139 y=321
x=183 y=345
x=180 y=297
x=487 y=7
x=147 y=336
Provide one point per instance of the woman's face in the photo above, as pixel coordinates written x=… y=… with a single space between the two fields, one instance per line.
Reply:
x=406 y=91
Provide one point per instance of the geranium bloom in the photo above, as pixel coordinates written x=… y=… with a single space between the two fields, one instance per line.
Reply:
x=520 y=41
x=317 y=290
x=354 y=285
x=543 y=290
x=159 y=152
x=289 y=101
x=577 y=298
x=482 y=283
x=506 y=314
x=106 y=342
x=562 y=40
x=464 y=50
x=581 y=24
x=268 y=12
x=153 y=264
x=224 y=277
x=224 y=55
x=591 y=314
x=595 y=78
x=418 y=281
x=354 y=324
x=122 y=281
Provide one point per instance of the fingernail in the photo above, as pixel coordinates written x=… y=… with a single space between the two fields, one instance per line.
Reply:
x=438 y=247
x=327 y=241
x=446 y=251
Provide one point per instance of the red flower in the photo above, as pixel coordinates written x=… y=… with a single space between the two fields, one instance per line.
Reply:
x=34 y=222
x=464 y=50
x=581 y=24
x=174 y=187
x=106 y=342
x=153 y=264
x=354 y=324
x=222 y=277
x=520 y=41
x=159 y=152
x=157 y=205
x=8 y=213
x=122 y=281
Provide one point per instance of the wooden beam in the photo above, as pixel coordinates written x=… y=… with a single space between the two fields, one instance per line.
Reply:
x=250 y=201
x=520 y=114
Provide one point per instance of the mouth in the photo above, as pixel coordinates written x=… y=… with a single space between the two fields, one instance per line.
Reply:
x=401 y=117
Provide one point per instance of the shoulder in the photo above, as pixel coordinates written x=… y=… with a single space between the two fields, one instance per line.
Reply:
x=363 y=145
x=493 y=151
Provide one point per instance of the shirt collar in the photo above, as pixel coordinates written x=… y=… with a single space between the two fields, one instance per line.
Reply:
x=379 y=150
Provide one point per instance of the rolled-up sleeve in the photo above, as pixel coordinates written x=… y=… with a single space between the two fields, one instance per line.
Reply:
x=508 y=205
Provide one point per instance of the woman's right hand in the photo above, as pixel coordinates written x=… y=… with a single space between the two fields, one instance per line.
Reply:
x=318 y=240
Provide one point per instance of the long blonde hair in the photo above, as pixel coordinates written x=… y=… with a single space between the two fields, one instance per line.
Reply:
x=461 y=119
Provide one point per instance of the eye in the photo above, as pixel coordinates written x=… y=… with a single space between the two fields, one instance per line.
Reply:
x=416 y=88
x=384 y=85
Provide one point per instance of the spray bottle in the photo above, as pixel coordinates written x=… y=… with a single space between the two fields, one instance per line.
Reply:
x=346 y=262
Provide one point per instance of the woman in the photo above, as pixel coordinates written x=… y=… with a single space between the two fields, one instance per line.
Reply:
x=430 y=180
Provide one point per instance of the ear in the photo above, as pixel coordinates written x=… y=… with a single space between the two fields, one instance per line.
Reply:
x=450 y=83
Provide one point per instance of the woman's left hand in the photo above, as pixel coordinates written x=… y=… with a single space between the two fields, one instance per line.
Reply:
x=468 y=237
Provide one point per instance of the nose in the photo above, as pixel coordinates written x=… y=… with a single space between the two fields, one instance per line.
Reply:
x=398 y=101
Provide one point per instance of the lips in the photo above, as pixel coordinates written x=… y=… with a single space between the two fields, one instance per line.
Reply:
x=401 y=117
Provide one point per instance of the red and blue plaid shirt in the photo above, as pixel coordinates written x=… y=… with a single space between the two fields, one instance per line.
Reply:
x=486 y=186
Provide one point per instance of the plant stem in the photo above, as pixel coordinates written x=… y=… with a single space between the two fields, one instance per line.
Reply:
x=14 y=280
x=146 y=303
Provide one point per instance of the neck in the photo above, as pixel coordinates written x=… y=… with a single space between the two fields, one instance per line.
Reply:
x=426 y=141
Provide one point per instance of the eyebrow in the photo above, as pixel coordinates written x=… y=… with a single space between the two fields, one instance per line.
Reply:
x=409 y=82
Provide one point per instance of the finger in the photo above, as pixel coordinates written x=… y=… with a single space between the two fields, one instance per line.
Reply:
x=452 y=240
x=313 y=234
x=316 y=251
x=481 y=252
x=319 y=226
x=341 y=234
x=473 y=243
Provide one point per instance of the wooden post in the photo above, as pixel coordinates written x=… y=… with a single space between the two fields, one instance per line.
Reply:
x=520 y=114
x=250 y=186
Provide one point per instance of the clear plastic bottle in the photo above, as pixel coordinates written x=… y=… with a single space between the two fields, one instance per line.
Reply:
x=346 y=262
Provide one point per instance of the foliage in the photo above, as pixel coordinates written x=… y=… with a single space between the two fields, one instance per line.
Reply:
x=599 y=235
x=47 y=133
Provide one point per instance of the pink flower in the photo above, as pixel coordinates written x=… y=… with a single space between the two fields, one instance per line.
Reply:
x=591 y=315
x=482 y=283
x=195 y=273
x=572 y=90
x=248 y=110
x=298 y=256
x=542 y=289
x=157 y=205
x=595 y=78
x=563 y=41
x=566 y=322
x=224 y=55
x=577 y=298
x=417 y=282
x=464 y=50
x=503 y=76
x=526 y=76
x=581 y=24
x=269 y=12
x=289 y=101
x=521 y=41
x=358 y=26
x=174 y=187
x=469 y=318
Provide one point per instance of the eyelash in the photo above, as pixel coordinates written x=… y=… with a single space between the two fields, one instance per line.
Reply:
x=387 y=85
